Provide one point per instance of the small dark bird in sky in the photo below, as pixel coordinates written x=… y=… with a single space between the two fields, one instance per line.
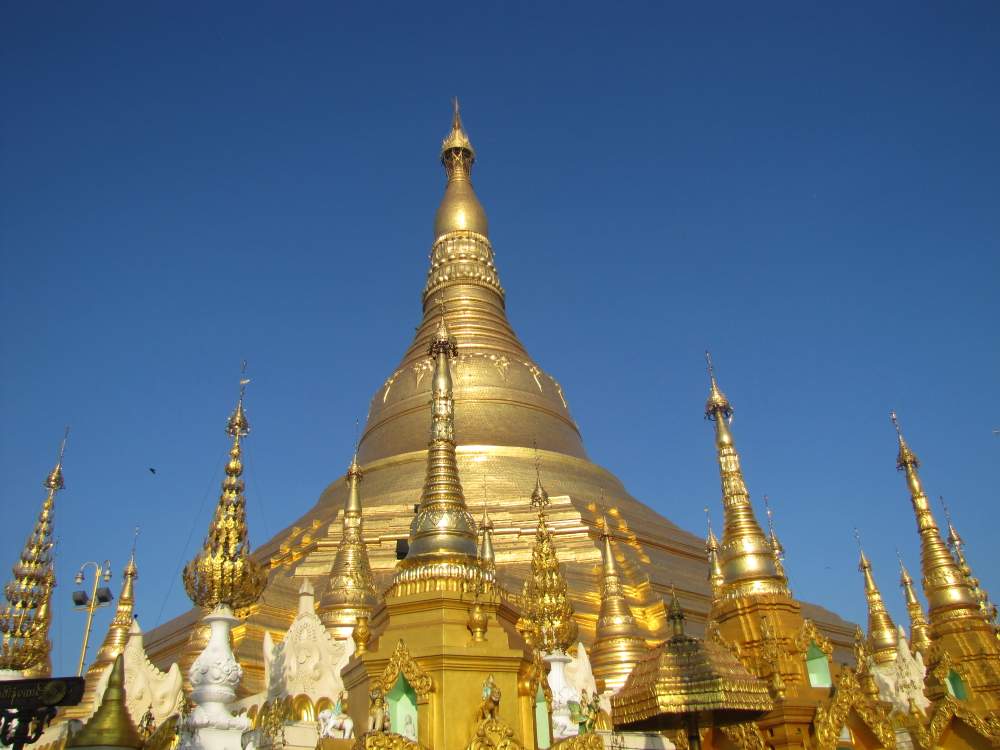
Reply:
x=152 y=470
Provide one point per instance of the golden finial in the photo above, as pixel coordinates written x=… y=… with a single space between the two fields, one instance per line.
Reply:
x=111 y=726
x=350 y=592
x=617 y=647
x=906 y=457
x=950 y=599
x=747 y=559
x=539 y=497
x=223 y=573
x=457 y=140
x=547 y=618
x=776 y=547
x=25 y=620
x=920 y=640
x=715 y=577
x=676 y=614
x=882 y=636
x=460 y=209
x=717 y=405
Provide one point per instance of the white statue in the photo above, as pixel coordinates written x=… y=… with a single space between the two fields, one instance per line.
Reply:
x=334 y=722
x=901 y=681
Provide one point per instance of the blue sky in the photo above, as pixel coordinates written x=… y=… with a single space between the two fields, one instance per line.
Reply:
x=809 y=191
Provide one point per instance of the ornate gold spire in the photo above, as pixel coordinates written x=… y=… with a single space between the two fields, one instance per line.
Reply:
x=546 y=621
x=715 y=577
x=618 y=646
x=111 y=726
x=460 y=210
x=748 y=563
x=920 y=639
x=957 y=547
x=223 y=572
x=442 y=533
x=24 y=621
x=487 y=556
x=776 y=549
x=117 y=636
x=949 y=598
x=882 y=636
x=350 y=591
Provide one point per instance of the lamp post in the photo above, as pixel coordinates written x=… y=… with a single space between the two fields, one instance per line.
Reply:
x=98 y=597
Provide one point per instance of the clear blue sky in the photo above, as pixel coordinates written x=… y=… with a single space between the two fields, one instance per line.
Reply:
x=811 y=192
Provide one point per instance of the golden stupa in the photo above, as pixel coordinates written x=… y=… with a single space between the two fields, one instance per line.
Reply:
x=510 y=414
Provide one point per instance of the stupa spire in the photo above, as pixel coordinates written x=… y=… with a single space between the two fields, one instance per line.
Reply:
x=920 y=639
x=25 y=620
x=949 y=597
x=460 y=210
x=350 y=590
x=882 y=636
x=442 y=533
x=747 y=560
x=119 y=631
x=223 y=571
x=546 y=620
x=777 y=550
x=487 y=555
x=110 y=726
x=618 y=646
x=957 y=547
x=715 y=577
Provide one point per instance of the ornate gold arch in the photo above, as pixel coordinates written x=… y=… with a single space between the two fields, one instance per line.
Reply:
x=847 y=697
x=947 y=710
x=402 y=663
x=809 y=633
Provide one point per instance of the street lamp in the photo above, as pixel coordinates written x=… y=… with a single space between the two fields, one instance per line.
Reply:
x=99 y=596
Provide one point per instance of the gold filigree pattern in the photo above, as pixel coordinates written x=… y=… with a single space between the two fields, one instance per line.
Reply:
x=849 y=696
x=402 y=663
x=494 y=734
x=24 y=622
x=809 y=634
x=546 y=622
x=944 y=712
x=223 y=571
x=586 y=741
x=746 y=736
x=388 y=741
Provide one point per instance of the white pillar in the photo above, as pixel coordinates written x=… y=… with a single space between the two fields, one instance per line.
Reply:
x=214 y=676
x=562 y=693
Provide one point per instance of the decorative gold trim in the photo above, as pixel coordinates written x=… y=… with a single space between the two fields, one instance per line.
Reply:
x=588 y=741
x=848 y=696
x=374 y=741
x=402 y=662
x=745 y=736
x=494 y=734
x=943 y=713
x=809 y=633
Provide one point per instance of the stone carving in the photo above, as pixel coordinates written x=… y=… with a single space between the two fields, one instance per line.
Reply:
x=147 y=689
x=308 y=660
x=901 y=682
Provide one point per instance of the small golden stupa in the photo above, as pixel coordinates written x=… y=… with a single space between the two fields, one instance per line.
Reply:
x=111 y=726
